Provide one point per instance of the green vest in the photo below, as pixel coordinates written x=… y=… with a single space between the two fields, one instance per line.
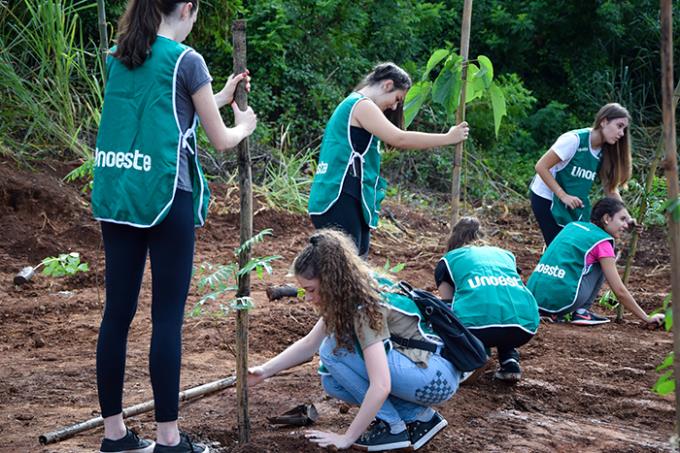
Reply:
x=139 y=141
x=405 y=305
x=557 y=277
x=576 y=178
x=335 y=160
x=489 y=291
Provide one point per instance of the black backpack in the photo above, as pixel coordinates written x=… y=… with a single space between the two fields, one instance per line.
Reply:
x=461 y=347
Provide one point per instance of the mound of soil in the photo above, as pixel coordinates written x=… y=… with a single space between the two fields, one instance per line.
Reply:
x=583 y=389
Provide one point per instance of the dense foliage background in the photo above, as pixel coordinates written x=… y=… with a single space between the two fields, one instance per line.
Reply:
x=558 y=62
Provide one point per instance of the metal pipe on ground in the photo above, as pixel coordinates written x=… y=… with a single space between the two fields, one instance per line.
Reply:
x=278 y=292
x=184 y=396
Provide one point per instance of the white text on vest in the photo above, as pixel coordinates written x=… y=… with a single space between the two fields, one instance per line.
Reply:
x=582 y=173
x=494 y=281
x=554 y=271
x=123 y=160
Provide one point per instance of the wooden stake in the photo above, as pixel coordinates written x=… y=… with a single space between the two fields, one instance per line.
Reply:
x=185 y=396
x=103 y=36
x=671 y=168
x=460 y=114
x=246 y=219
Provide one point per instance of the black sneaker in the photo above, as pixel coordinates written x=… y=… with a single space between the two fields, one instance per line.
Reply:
x=583 y=317
x=185 y=445
x=509 y=371
x=379 y=438
x=421 y=433
x=130 y=443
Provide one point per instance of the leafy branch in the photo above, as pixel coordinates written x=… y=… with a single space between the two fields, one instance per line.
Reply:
x=216 y=281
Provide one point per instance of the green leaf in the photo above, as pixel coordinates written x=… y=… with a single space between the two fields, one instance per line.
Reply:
x=446 y=88
x=436 y=57
x=498 y=105
x=672 y=207
x=242 y=303
x=665 y=385
x=667 y=362
x=398 y=268
x=415 y=98
x=486 y=70
x=252 y=264
x=259 y=237
x=668 y=320
x=474 y=86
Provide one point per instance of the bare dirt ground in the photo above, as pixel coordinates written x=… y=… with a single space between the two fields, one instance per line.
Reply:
x=584 y=389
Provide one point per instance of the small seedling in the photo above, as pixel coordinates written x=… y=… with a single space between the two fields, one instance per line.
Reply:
x=63 y=265
x=220 y=279
x=608 y=300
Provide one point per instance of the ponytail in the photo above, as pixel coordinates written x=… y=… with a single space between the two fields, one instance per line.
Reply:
x=138 y=26
x=467 y=231
x=345 y=283
x=401 y=80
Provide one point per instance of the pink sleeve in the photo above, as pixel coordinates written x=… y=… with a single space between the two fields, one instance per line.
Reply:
x=602 y=250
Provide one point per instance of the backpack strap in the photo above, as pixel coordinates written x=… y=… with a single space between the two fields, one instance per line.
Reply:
x=416 y=344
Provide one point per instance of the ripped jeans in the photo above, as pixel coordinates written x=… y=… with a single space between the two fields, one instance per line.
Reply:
x=413 y=391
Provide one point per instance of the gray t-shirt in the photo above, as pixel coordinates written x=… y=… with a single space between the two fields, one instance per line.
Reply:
x=192 y=74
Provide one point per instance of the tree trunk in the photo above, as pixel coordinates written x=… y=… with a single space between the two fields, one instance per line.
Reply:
x=246 y=230
x=460 y=114
x=643 y=205
x=671 y=168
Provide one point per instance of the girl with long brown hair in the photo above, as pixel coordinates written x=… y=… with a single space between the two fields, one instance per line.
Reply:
x=149 y=194
x=565 y=174
x=393 y=384
x=347 y=189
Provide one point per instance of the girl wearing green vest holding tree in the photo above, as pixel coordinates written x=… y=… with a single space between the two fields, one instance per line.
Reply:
x=571 y=271
x=347 y=189
x=487 y=295
x=149 y=194
x=394 y=386
x=565 y=174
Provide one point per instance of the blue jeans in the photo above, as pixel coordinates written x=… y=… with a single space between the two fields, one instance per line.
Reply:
x=414 y=389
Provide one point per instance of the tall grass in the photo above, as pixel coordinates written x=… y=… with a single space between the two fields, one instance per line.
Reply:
x=287 y=180
x=49 y=81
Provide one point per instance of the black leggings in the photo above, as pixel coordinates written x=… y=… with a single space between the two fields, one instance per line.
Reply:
x=505 y=339
x=171 y=249
x=346 y=214
x=546 y=221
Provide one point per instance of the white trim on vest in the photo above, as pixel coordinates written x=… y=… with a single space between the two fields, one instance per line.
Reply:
x=350 y=161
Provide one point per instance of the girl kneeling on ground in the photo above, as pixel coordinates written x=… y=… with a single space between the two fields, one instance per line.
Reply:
x=571 y=271
x=487 y=295
x=394 y=386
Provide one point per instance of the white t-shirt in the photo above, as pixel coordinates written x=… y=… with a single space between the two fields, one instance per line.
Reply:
x=565 y=147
